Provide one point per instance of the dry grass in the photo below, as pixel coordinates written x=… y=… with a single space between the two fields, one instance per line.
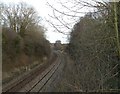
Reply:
x=69 y=79
x=21 y=64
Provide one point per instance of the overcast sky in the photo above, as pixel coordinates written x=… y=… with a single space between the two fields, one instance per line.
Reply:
x=43 y=10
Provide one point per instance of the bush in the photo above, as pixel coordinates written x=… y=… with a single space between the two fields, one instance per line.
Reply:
x=94 y=50
x=36 y=44
x=12 y=43
x=33 y=46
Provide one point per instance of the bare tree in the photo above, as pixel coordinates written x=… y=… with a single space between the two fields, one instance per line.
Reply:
x=71 y=11
x=20 y=17
x=93 y=43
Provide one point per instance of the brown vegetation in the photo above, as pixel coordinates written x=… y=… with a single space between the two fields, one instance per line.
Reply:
x=23 y=42
x=94 y=48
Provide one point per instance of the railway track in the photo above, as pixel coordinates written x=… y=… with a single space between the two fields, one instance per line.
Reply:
x=35 y=81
